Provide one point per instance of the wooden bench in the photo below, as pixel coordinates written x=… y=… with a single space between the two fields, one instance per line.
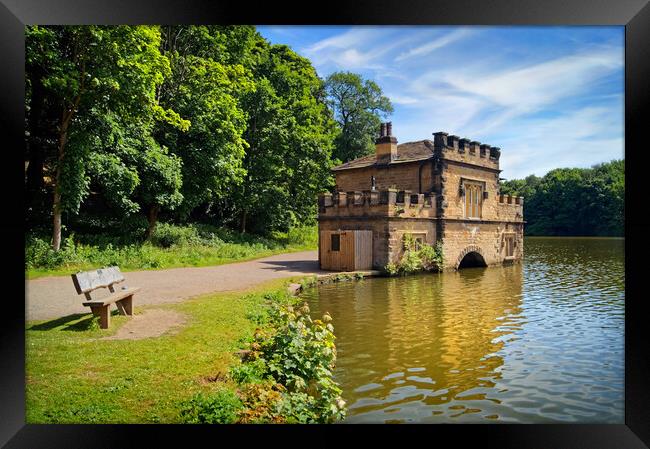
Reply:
x=88 y=281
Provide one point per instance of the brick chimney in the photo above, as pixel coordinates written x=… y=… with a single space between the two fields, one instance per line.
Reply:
x=386 y=144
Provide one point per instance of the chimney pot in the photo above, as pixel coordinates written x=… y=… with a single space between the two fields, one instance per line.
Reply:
x=440 y=139
x=386 y=144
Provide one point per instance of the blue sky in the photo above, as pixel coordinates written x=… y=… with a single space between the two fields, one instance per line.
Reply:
x=548 y=96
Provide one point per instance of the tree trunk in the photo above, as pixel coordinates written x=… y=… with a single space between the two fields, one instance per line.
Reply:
x=56 y=225
x=152 y=217
x=243 y=222
x=56 y=206
x=66 y=119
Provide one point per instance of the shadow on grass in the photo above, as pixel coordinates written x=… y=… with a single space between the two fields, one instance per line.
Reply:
x=78 y=322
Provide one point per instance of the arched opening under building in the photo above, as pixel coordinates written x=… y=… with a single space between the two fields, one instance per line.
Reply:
x=472 y=259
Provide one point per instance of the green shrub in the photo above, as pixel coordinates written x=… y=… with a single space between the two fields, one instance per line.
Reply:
x=286 y=375
x=300 y=355
x=303 y=236
x=170 y=245
x=166 y=235
x=426 y=258
x=253 y=371
x=221 y=407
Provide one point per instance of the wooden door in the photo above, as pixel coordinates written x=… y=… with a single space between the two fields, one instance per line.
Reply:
x=346 y=254
x=363 y=250
x=337 y=250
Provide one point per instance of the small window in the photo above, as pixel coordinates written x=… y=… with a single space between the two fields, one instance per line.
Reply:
x=336 y=242
x=418 y=240
x=510 y=245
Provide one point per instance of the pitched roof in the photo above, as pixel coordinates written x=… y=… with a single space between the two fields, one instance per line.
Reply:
x=406 y=152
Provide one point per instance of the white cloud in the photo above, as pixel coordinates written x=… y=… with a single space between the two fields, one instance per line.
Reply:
x=484 y=104
x=529 y=88
x=402 y=99
x=440 y=42
x=358 y=48
x=579 y=138
x=560 y=110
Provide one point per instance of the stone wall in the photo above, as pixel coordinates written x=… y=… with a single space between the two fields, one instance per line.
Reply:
x=387 y=234
x=378 y=226
x=404 y=176
x=487 y=239
x=378 y=203
x=463 y=150
x=454 y=202
x=397 y=228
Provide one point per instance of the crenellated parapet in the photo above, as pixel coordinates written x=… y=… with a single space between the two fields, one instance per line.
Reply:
x=510 y=208
x=454 y=148
x=377 y=203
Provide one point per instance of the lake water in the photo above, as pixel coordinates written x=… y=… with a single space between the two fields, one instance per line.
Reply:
x=537 y=342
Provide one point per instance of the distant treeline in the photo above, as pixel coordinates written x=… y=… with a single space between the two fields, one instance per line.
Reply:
x=573 y=201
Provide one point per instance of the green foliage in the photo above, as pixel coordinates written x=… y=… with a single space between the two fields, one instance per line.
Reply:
x=171 y=245
x=309 y=282
x=290 y=136
x=203 y=87
x=220 y=407
x=253 y=371
x=573 y=201
x=83 y=74
x=167 y=235
x=358 y=105
x=413 y=260
x=289 y=363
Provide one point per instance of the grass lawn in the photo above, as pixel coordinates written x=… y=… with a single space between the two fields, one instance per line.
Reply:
x=72 y=377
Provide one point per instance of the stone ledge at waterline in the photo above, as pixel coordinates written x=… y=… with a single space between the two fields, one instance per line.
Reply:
x=295 y=288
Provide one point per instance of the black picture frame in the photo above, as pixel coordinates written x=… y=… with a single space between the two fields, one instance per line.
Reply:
x=633 y=14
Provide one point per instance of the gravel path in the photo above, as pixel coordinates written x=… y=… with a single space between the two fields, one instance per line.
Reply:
x=54 y=297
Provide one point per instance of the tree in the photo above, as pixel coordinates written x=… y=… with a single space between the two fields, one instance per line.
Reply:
x=78 y=75
x=573 y=201
x=358 y=106
x=205 y=82
x=289 y=133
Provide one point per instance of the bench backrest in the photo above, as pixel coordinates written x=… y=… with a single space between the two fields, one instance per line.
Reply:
x=87 y=281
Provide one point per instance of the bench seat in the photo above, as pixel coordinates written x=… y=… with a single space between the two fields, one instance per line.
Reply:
x=88 y=281
x=113 y=298
x=101 y=308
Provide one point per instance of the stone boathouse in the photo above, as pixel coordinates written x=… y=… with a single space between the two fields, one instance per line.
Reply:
x=445 y=190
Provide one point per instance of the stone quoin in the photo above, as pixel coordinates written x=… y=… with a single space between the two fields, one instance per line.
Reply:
x=445 y=190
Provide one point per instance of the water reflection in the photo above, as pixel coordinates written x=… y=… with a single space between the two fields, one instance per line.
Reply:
x=538 y=342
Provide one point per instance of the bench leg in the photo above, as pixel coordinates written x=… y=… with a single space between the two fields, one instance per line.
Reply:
x=125 y=306
x=104 y=314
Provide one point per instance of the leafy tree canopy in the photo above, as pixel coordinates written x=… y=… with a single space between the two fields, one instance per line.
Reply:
x=573 y=201
x=358 y=106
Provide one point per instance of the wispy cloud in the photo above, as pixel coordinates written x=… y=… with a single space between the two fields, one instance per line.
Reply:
x=577 y=138
x=549 y=97
x=358 y=48
x=436 y=44
x=499 y=96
